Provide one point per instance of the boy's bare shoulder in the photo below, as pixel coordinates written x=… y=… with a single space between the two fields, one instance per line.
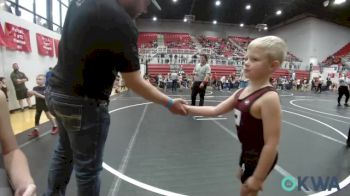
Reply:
x=270 y=97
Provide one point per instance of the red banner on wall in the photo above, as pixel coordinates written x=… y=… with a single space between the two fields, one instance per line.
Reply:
x=56 y=46
x=2 y=37
x=45 y=45
x=17 y=38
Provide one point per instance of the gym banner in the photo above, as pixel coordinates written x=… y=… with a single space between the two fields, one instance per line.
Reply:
x=17 y=38
x=2 y=37
x=45 y=45
x=56 y=46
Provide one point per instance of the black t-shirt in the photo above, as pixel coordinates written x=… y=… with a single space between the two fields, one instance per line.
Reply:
x=15 y=75
x=40 y=90
x=99 y=39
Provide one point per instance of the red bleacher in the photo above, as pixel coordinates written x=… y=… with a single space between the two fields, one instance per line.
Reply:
x=187 y=68
x=343 y=51
x=301 y=74
x=222 y=70
x=219 y=70
x=281 y=73
x=241 y=39
x=177 y=40
x=146 y=39
x=155 y=69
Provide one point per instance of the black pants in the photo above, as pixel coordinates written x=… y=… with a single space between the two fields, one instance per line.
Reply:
x=40 y=107
x=343 y=90
x=174 y=85
x=195 y=91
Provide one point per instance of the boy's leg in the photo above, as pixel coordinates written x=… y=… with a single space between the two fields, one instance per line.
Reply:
x=29 y=102
x=54 y=129
x=37 y=117
x=35 y=132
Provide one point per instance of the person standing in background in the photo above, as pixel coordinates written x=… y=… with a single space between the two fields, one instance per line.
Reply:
x=201 y=74
x=343 y=90
x=19 y=79
x=38 y=91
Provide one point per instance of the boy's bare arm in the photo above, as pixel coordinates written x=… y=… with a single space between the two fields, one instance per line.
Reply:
x=222 y=108
x=38 y=95
x=271 y=117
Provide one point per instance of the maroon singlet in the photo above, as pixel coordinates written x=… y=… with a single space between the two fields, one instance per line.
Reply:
x=249 y=128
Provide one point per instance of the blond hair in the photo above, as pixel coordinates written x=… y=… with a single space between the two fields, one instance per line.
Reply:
x=275 y=47
x=40 y=75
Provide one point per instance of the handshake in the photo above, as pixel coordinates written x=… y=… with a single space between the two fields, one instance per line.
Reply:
x=177 y=106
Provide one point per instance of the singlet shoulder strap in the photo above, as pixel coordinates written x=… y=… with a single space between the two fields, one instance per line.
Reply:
x=239 y=92
x=257 y=94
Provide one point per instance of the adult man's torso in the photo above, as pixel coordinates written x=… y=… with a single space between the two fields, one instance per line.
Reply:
x=15 y=75
x=201 y=71
x=98 y=40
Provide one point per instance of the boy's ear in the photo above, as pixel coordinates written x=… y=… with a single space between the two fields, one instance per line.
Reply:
x=275 y=65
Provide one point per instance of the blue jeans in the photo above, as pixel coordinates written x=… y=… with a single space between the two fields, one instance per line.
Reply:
x=83 y=128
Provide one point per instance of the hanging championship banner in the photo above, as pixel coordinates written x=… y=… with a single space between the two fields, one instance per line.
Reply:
x=45 y=45
x=17 y=38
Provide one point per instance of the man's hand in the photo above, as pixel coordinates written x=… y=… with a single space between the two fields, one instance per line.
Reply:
x=179 y=107
x=26 y=190
x=201 y=85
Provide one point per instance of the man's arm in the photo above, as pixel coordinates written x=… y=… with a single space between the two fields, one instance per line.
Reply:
x=25 y=78
x=135 y=82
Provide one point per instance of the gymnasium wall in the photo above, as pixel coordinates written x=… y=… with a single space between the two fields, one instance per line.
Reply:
x=312 y=38
x=31 y=63
x=194 y=29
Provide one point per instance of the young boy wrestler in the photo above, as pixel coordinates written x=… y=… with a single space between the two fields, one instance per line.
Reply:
x=257 y=113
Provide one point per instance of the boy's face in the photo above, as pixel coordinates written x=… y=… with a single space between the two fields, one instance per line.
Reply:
x=40 y=80
x=202 y=60
x=257 y=65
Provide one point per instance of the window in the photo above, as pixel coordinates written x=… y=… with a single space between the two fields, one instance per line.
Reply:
x=40 y=6
x=56 y=12
x=27 y=4
x=65 y=2
x=64 y=11
x=28 y=16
